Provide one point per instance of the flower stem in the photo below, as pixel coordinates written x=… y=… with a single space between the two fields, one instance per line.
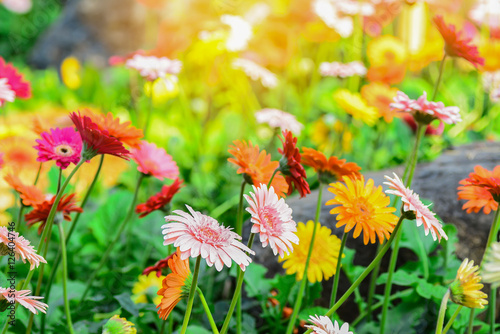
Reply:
x=491 y=309
x=20 y=215
x=364 y=273
x=65 y=277
x=38 y=174
x=192 y=292
x=207 y=311
x=442 y=312
x=303 y=283
x=150 y=109
x=438 y=81
x=414 y=159
x=453 y=317
x=272 y=177
x=337 y=271
x=106 y=254
x=239 y=230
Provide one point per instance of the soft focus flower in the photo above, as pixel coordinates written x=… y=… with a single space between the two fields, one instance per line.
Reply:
x=290 y=166
x=175 y=286
x=466 y=289
x=30 y=195
x=355 y=106
x=388 y=58
x=158 y=267
x=160 y=200
x=70 y=72
x=153 y=160
x=124 y=132
x=478 y=197
x=491 y=265
x=198 y=234
x=488 y=180
x=152 y=68
x=486 y=12
x=256 y=72
x=279 y=119
x=490 y=51
x=390 y=74
x=415 y=209
x=256 y=166
x=62 y=145
x=323 y=325
x=330 y=169
x=385 y=13
x=457 y=45
x=324 y=256
x=96 y=141
x=21 y=297
x=240 y=33
x=272 y=220
x=491 y=84
x=117 y=325
x=380 y=95
x=12 y=84
x=336 y=69
x=22 y=248
x=364 y=208
x=41 y=211
x=147 y=285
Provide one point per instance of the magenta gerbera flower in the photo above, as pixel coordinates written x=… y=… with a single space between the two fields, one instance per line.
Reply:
x=21 y=297
x=12 y=84
x=196 y=234
x=272 y=219
x=62 y=145
x=412 y=204
x=153 y=160
x=12 y=241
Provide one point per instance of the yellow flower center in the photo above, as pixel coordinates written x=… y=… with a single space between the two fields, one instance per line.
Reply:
x=64 y=150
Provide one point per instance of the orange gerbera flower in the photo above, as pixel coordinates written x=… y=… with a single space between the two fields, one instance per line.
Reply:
x=332 y=167
x=124 y=132
x=30 y=195
x=481 y=190
x=257 y=166
x=380 y=95
x=455 y=44
x=364 y=208
x=175 y=286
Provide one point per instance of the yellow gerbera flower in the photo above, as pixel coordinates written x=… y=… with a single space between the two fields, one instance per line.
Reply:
x=356 y=106
x=490 y=51
x=324 y=256
x=385 y=50
x=466 y=289
x=147 y=285
x=364 y=208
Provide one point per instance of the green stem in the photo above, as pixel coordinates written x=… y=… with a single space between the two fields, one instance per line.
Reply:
x=364 y=273
x=20 y=215
x=207 y=311
x=163 y=325
x=453 y=317
x=239 y=230
x=442 y=312
x=65 y=278
x=337 y=271
x=59 y=180
x=373 y=285
x=413 y=163
x=298 y=301
x=104 y=258
x=438 y=81
x=38 y=174
x=192 y=292
x=272 y=177
x=150 y=110
x=492 y=309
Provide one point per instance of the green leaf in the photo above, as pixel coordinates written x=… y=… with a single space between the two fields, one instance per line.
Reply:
x=400 y=277
x=127 y=304
x=193 y=329
x=306 y=313
x=256 y=284
x=430 y=291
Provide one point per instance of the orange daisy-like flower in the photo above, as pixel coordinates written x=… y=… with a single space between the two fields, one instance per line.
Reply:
x=364 y=208
x=41 y=211
x=290 y=165
x=332 y=167
x=30 y=195
x=175 y=286
x=380 y=95
x=455 y=44
x=124 y=132
x=257 y=166
x=481 y=190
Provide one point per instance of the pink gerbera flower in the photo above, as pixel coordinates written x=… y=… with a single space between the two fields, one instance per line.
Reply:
x=12 y=84
x=152 y=68
x=153 y=160
x=21 y=297
x=21 y=247
x=279 y=119
x=412 y=204
x=62 y=145
x=323 y=325
x=272 y=219
x=198 y=234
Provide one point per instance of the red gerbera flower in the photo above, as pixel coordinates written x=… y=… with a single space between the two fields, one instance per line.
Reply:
x=158 y=266
x=290 y=166
x=160 y=200
x=455 y=44
x=97 y=141
x=12 y=84
x=41 y=211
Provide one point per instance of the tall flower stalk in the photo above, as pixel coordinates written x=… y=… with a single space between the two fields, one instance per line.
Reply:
x=192 y=293
x=65 y=278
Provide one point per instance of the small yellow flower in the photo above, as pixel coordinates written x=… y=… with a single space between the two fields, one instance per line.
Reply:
x=490 y=51
x=117 y=325
x=466 y=289
x=356 y=106
x=385 y=50
x=147 y=286
x=70 y=72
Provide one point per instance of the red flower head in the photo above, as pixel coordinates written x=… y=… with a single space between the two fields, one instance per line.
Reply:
x=455 y=44
x=290 y=165
x=96 y=141
x=158 y=266
x=41 y=211
x=12 y=84
x=160 y=200
x=431 y=130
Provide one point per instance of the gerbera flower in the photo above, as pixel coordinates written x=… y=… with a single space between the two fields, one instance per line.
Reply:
x=336 y=69
x=331 y=168
x=491 y=265
x=272 y=220
x=415 y=209
x=466 y=289
x=356 y=106
x=117 y=325
x=41 y=211
x=257 y=167
x=477 y=190
x=153 y=160
x=21 y=247
x=364 y=208
x=385 y=50
x=324 y=256
x=279 y=119
x=455 y=44
x=488 y=180
x=147 y=286
x=159 y=201
x=240 y=33
x=290 y=165
x=323 y=325
x=256 y=72
x=198 y=234
x=21 y=297
x=152 y=68
x=124 y=132
x=30 y=195
x=62 y=145
x=12 y=84
x=158 y=267
x=380 y=95
x=175 y=286
x=96 y=141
